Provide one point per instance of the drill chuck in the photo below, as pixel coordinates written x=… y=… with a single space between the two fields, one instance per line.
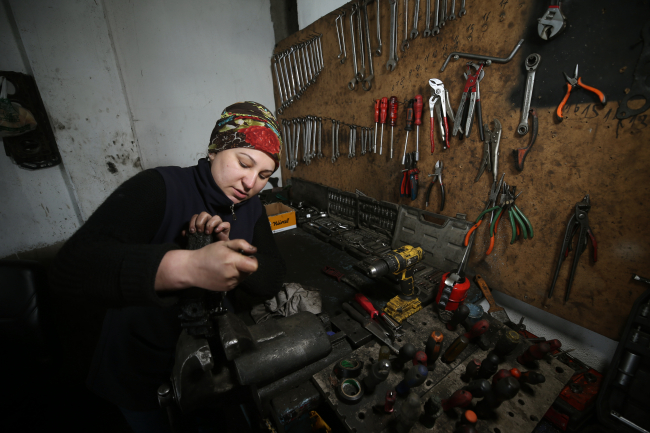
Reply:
x=396 y=261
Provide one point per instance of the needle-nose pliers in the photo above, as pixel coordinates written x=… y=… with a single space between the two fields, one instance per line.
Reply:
x=579 y=222
x=573 y=82
x=437 y=174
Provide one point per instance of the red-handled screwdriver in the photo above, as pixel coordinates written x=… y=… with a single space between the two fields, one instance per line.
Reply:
x=382 y=120
x=367 y=305
x=377 y=105
x=393 y=120
x=409 y=126
x=418 y=122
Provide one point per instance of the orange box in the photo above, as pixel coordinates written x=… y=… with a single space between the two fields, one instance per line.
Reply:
x=281 y=217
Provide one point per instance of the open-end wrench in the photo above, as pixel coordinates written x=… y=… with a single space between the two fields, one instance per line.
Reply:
x=452 y=14
x=416 y=16
x=320 y=137
x=427 y=30
x=338 y=127
x=345 y=54
x=531 y=63
x=443 y=13
x=333 y=141
x=462 y=12
x=367 y=81
x=352 y=85
x=436 y=22
x=378 y=51
x=405 y=43
x=392 y=53
x=362 y=72
x=277 y=76
x=338 y=35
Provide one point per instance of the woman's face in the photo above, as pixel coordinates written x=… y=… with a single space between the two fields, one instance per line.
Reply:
x=241 y=173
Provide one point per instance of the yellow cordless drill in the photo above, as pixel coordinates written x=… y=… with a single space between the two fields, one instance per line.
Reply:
x=400 y=261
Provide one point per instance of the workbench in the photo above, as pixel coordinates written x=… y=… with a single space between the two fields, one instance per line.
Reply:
x=305 y=256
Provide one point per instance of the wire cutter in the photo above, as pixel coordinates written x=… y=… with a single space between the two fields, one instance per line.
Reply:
x=409 y=185
x=437 y=174
x=579 y=222
x=490 y=150
x=470 y=88
x=573 y=82
x=489 y=207
x=439 y=102
x=518 y=221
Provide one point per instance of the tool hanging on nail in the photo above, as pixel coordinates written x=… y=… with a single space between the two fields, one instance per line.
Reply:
x=383 y=107
x=409 y=185
x=409 y=125
x=552 y=23
x=438 y=102
x=437 y=175
x=579 y=223
x=518 y=221
x=377 y=111
x=418 y=121
x=470 y=89
x=520 y=154
x=489 y=207
x=490 y=150
x=393 y=104
x=573 y=82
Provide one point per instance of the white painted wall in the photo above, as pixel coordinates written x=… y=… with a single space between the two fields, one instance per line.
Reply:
x=311 y=10
x=36 y=207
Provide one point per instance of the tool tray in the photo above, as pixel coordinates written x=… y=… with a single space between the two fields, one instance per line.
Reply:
x=621 y=404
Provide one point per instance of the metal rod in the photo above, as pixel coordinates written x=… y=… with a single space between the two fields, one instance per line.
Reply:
x=490 y=59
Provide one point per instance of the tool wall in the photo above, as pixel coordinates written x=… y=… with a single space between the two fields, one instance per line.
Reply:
x=589 y=152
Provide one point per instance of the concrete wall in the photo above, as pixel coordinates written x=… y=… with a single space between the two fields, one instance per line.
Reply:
x=127 y=85
x=37 y=209
x=310 y=10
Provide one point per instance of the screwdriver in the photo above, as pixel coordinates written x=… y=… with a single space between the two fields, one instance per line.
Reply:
x=409 y=126
x=377 y=105
x=393 y=120
x=418 y=122
x=382 y=120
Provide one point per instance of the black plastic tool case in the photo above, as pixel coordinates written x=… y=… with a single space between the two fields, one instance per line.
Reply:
x=624 y=400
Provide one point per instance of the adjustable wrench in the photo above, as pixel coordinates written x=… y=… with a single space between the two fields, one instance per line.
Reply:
x=531 y=64
x=378 y=51
x=416 y=16
x=367 y=82
x=405 y=42
x=427 y=30
x=436 y=22
x=392 y=53
x=452 y=15
x=352 y=85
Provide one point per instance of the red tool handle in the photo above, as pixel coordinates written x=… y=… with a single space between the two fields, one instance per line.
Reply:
x=418 y=110
x=333 y=273
x=393 y=104
x=444 y=119
x=432 y=134
x=384 y=110
x=409 y=116
x=478 y=329
x=366 y=305
x=377 y=106
x=460 y=398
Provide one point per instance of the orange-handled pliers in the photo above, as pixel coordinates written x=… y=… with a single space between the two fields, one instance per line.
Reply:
x=571 y=83
x=491 y=206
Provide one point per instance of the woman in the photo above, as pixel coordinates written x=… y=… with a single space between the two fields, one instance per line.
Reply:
x=129 y=254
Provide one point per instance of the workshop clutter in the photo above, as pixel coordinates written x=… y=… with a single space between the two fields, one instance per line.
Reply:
x=281 y=217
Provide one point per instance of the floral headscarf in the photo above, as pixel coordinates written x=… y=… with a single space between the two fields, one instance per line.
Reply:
x=250 y=125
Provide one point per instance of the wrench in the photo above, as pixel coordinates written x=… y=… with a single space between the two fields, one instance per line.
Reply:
x=452 y=15
x=352 y=85
x=462 y=12
x=338 y=127
x=367 y=82
x=443 y=13
x=531 y=63
x=427 y=30
x=362 y=72
x=405 y=42
x=333 y=141
x=338 y=36
x=345 y=54
x=378 y=51
x=392 y=62
x=436 y=23
x=416 y=13
x=320 y=137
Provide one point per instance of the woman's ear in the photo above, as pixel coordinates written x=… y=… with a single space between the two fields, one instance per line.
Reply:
x=211 y=156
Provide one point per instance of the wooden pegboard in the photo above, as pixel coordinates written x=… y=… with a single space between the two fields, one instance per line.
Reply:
x=589 y=152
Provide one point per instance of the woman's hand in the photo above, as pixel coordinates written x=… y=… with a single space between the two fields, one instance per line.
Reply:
x=220 y=266
x=206 y=223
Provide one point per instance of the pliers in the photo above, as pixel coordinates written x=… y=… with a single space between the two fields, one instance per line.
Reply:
x=437 y=174
x=470 y=88
x=573 y=82
x=489 y=207
x=518 y=221
x=440 y=103
x=479 y=110
x=409 y=186
x=490 y=150
x=579 y=222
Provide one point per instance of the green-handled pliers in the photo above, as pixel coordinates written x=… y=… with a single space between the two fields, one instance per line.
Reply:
x=518 y=221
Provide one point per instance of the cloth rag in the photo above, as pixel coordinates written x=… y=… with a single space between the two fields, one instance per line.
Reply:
x=292 y=299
